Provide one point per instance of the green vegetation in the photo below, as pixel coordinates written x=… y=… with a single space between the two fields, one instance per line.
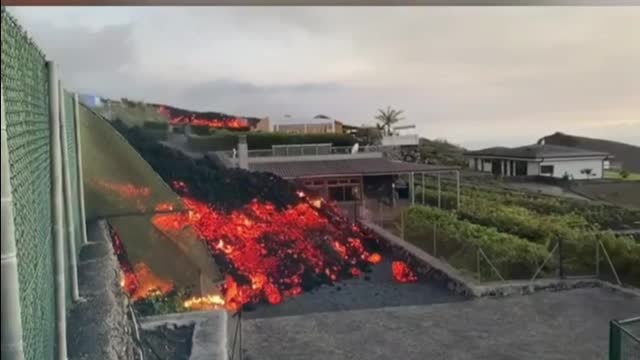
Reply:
x=458 y=241
x=159 y=304
x=440 y=151
x=227 y=140
x=155 y=125
x=498 y=222
x=621 y=175
x=601 y=215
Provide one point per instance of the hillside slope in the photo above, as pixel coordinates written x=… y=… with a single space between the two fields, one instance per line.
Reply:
x=628 y=155
x=441 y=152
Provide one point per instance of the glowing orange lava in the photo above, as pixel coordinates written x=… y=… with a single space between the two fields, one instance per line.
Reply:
x=208 y=302
x=148 y=283
x=236 y=123
x=269 y=254
x=124 y=190
x=402 y=272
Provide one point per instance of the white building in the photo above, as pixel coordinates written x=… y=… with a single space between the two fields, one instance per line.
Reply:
x=540 y=160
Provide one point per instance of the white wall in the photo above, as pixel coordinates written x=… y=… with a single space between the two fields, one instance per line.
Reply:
x=471 y=163
x=486 y=165
x=533 y=168
x=573 y=168
x=400 y=140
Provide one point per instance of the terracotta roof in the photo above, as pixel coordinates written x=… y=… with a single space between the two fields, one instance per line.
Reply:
x=352 y=167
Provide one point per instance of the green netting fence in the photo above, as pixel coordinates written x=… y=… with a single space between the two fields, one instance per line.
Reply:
x=26 y=92
x=624 y=339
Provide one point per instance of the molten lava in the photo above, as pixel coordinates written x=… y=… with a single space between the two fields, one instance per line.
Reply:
x=402 y=272
x=148 y=283
x=269 y=254
x=208 y=302
x=233 y=123
x=124 y=190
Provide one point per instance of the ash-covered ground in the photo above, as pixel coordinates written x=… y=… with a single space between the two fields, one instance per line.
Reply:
x=373 y=290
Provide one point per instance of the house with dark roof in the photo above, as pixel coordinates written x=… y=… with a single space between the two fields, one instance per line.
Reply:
x=540 y=160
x=349 y=176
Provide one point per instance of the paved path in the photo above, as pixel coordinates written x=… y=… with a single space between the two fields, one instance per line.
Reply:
x=562 y=325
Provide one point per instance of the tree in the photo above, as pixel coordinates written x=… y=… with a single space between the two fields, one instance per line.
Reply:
x=369 y=135
x=387 y=118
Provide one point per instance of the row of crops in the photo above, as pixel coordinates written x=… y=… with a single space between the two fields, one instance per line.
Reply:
x=511 y=235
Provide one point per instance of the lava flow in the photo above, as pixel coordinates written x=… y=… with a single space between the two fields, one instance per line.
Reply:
x=233 y=123
x=402 y=272
x=269 y=254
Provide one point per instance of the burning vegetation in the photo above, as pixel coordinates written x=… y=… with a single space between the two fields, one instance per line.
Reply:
x=271 y=240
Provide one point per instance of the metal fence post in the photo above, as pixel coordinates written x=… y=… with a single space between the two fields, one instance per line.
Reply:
x=560 y=259
x=424 y=188
x=83 y=216
x=58 y=213
x=412 y=188
x=12 y=346
x=598 y=259
x=458 y=190
x=478 y=264
x=435 y=239
x=615 y=344
x=439 y=193
x=402 y=224
x=68 y=197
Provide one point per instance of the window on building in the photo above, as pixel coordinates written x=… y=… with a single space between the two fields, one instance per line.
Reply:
x=521 y=168
x=344 y=193
x=546 y=169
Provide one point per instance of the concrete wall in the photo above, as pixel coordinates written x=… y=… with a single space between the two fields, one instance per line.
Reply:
x=103 y=326
x=400 y=140
x=306 y=128
x=278 y=159
x=486 y=166
x=573 y=168
x=263 y=125
x=533 y=168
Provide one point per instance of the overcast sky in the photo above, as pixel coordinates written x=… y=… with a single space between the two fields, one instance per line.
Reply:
x=477 y=76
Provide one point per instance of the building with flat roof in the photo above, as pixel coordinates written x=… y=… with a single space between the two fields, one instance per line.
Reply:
x=320 y=124
x=540 y=160
x=348 y=175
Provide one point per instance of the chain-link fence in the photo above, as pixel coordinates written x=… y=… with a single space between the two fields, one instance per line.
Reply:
x=624 y=339
x=26 y=95
x=489 y=253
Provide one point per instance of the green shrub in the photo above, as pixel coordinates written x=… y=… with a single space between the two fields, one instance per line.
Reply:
x=154 y=125
x=200 y=130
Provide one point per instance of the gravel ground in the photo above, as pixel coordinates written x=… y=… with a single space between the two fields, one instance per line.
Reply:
x=378 y=289
x=167 y=343
x=563 y=325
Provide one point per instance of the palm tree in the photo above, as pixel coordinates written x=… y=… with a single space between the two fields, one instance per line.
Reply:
x=387 y=118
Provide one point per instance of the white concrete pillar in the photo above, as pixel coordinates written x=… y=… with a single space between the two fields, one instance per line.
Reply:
x=57 y=202
x=243 y=152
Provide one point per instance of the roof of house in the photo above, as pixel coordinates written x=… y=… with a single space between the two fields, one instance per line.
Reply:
x=537 y=151
x=351 y=167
